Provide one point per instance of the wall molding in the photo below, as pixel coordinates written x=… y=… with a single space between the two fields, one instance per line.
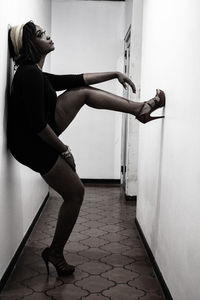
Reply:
x=154 y=263
x=100 y=181
x=19 y=250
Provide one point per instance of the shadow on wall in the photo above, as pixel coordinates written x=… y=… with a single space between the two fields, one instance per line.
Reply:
x=9 y=76
x=9 y=168
x=11 y=200
x=155 y=225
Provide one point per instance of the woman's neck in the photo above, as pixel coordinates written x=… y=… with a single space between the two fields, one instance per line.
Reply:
x=41 y=63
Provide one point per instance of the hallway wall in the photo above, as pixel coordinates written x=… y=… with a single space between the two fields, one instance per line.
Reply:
x=169 y=174
x=88 y=37
x=22 y=191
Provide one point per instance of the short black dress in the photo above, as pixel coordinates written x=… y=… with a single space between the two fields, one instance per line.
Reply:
x=30 y=108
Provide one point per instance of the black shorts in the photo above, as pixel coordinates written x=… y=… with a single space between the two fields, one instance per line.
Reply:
x=33 y=152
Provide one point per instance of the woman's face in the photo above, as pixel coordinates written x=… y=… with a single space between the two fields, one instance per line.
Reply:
x=43 y=41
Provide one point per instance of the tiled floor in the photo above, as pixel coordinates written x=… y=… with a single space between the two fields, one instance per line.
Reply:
x=110 y=260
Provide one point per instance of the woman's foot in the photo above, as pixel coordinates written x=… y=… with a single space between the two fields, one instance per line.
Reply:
x=148 y=107
x=58 y=261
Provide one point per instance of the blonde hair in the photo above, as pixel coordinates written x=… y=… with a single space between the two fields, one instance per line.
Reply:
x=16 y=35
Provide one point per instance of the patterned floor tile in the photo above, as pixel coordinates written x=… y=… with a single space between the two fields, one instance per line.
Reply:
x=15 y=290
x=117 y=260
x=94 y=242
x=75 y=259
x=42 y=283
x=135 y=252
x=95 y=297
x=123 y=291
x=110 y=260
x=94 y=268
x=113 y=237
x=120 y=275
x=93 y=217
x=152 y=297
x=78 y=228
x=94 y=253
x=21 y=273
x=37 y=296
x=93 y=224
x=112 y=228
x=76 y=246
x=77 y=236
x=81 y=220
x=95 y=283
x=141 y=267
x=77 y=275
x=115 y=247
x=94 y=232
x=146 y=283
x=67 y=291
x=109 y=220
x=133 y=243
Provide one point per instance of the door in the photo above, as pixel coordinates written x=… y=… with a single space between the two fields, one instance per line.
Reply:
x=126 y=93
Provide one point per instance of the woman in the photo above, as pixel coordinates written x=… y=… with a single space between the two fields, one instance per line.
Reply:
x=36 y=117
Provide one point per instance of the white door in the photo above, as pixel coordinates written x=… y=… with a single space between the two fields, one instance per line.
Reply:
x=125 y=115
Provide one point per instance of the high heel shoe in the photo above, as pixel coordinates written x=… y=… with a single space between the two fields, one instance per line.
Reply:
x=155 y=103
x=58 y=261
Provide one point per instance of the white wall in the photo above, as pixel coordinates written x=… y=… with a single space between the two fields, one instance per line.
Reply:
x=88 y=36
x=128 y=15
x=169 y=173
x=22 y=191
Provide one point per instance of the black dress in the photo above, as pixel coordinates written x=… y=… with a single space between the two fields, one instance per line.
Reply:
x=31 y=107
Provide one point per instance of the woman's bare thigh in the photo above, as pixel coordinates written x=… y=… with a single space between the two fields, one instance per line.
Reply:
x=64 y=180
x=68 y=105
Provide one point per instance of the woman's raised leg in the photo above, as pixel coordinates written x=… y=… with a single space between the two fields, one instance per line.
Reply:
x=70 y=102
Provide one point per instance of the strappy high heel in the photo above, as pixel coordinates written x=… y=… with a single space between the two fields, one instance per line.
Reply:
x=155 y=103
x=58 y=261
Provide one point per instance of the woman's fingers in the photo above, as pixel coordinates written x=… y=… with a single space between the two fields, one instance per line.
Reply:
x=132 y=85
x=71 y=162
x=123 y=79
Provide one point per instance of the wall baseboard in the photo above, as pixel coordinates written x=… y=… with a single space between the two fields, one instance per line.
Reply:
x=19 y=250
x=154 y=263
x=130 y=198
x=100 y=181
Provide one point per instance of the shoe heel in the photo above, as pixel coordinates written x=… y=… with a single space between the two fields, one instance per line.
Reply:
x=154 y=118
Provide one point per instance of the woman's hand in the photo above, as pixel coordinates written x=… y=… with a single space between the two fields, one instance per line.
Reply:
x=71 y=162
x=123 y=79
x=68 y=157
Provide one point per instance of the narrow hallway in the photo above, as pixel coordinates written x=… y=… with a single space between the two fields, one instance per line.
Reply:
x=110 y=260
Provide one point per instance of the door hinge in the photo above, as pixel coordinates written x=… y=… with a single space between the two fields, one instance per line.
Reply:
x=125 y=53
x=123 y=169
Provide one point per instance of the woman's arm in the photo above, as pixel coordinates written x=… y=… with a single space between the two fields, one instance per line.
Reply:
x=49 y=136
x=93 y=78
x=63 y=82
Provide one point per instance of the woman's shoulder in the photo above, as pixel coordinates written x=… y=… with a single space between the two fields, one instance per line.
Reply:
x=29 y=68
x=28 y=71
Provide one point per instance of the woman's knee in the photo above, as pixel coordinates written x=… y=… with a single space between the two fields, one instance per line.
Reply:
x=82 y=92
x=75 y=194
x=80 y=191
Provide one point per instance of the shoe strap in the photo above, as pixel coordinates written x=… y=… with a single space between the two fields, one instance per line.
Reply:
x=154 y=102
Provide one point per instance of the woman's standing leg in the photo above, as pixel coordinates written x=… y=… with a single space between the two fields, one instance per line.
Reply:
x=67 y=183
